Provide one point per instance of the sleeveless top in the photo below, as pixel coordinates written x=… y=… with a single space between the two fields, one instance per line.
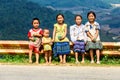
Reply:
x=47 y=46
x=60 y=31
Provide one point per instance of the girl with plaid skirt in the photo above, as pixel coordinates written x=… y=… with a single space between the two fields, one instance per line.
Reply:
x=93 y=40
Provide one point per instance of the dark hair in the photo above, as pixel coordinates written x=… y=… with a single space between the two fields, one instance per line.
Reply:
x=46 y=29
x=91 y=12
x=58 y=15
x=35 y=19
x=77 y=15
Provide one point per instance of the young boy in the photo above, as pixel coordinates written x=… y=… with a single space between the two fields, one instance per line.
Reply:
x=35 y=36
x=47 y=45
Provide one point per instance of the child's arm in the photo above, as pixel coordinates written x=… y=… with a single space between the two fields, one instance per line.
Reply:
x=96 y=34
x=97 y=31
x=32 y=39
x=37 y=35
x=40 y=34
x=85 y=36
x=89 y=35
x=64 y=34
x=72 y=34
x=54 y=33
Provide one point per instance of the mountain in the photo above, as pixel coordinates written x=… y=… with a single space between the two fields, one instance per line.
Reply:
x=112 y=18
x=70 y=3
x=103 y=8
x=112 y=1
x=16 y=17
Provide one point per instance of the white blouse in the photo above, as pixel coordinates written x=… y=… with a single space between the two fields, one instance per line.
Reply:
x=92 y=29
x=77 y=33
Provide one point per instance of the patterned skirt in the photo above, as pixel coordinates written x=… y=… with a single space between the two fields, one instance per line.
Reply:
x=79 y=46
x=61 y=48
x=93 y=45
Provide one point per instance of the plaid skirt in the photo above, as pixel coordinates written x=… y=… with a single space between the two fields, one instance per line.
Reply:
x=61 y=48
x=93 y=45
x=79 y=46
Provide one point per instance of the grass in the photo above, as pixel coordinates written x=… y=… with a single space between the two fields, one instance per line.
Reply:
x=23 y=60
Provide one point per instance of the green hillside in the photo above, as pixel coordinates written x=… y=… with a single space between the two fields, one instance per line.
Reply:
x=72 y=3
x=111 y=17
x=16 y=16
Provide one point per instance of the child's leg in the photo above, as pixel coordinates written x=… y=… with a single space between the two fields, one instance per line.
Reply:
x=50 y=56
x=37 y=58
x=61 y=60
x=98 y=56
x=91 y=55
x=64 y=58
x=37 y=54
x=46 y=56
x=76 y=57
x=30 y=56
x=83 y=55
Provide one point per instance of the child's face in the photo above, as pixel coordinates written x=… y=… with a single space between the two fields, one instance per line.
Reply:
x=35 y=23
x=60 y=19
x=78 y=20
x=46 y=33
x=91 y=17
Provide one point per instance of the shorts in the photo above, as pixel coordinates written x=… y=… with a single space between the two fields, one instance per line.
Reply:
x=34 y=49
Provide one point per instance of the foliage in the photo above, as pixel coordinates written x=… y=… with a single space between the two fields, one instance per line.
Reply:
x=14 y=58
x=23 y=59
x=110 y=60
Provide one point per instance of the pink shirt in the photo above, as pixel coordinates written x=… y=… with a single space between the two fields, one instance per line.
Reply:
x=38 y=40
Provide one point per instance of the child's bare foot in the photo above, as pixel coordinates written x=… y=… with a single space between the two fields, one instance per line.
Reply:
x=64 y=62
x=46 y=62
x=36 y=62
x=98 y=62
x=92 y=62
x=49 y=62
x=77 y=62
x=30 y=61
x=61 y=62
x=82 y=61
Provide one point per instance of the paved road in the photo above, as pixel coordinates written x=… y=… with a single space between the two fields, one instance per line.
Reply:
x=34 y=72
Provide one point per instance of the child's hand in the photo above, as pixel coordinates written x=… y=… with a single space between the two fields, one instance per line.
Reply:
x=36 y=35
x=50 y=43
x=33 y=39
x=94 y=40
x=62 y=37
x=52 y=40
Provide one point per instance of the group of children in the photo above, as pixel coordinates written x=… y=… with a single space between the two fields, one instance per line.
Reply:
x=84 y=38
